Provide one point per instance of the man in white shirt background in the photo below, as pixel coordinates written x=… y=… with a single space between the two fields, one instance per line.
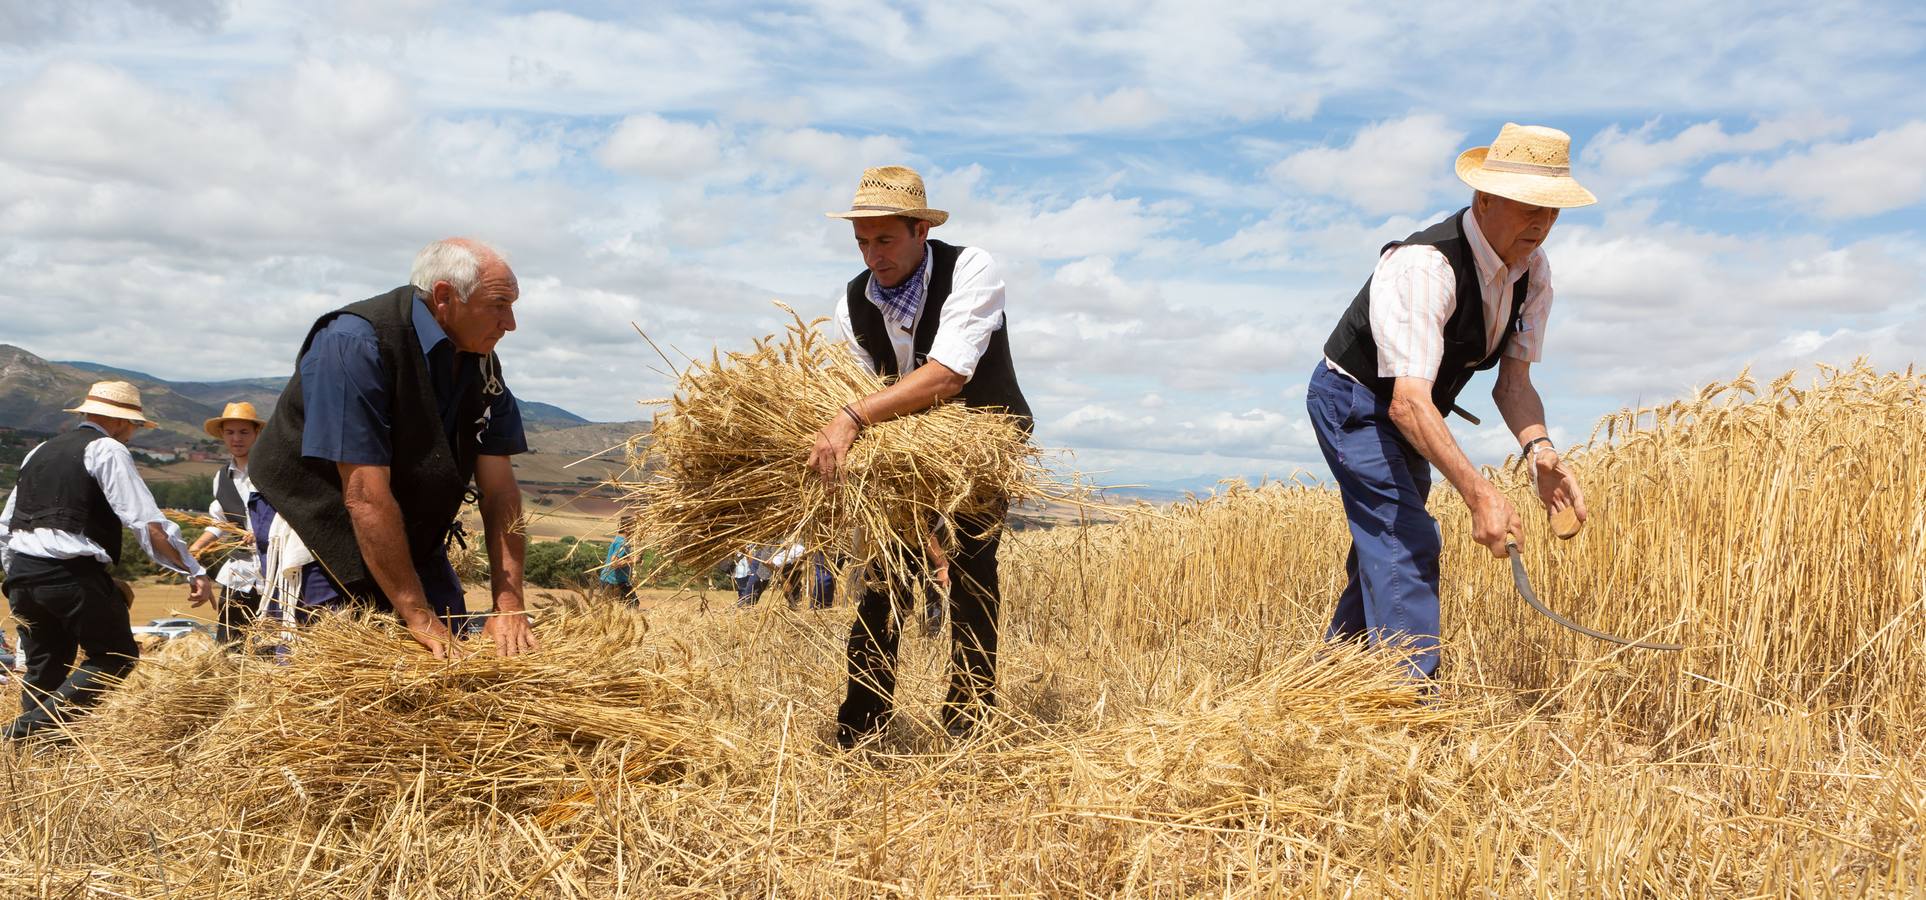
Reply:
x=59 y=532
x=239 y=576
x=928 y=317
x=1467 y=293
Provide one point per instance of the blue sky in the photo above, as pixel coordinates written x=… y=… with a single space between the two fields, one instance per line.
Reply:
x=1183 y=197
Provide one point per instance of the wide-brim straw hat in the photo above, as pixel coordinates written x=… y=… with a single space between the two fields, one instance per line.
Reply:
x=115 y=400
x=1527 y=163
x=891 y=191
x=240 y=412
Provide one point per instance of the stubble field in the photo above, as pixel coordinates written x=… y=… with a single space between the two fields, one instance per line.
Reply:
x=1172 y=724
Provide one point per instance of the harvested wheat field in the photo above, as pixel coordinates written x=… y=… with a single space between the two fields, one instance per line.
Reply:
x=1174 y=727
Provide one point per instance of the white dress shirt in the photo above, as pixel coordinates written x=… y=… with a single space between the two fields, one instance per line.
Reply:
x=1414 y=293
x=971 y=314
x=113 y=469
x=242 y=572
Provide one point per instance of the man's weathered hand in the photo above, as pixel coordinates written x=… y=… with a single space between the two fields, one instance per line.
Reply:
x=428 y=631
x=831 y=445
x=1557 y=487
x=511 y=633
x=200 y=589
x=1493 y=518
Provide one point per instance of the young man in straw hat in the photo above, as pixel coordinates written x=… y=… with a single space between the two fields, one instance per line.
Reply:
x=396 y=407
x=1459 y=297
x=58 y=534
x=928 y=317
x=240 y=576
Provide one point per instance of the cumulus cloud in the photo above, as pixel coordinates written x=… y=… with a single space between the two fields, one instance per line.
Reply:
x=1388 y=167
x=651 y=145
x=1874 y=175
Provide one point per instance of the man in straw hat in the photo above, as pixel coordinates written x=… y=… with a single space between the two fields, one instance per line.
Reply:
x=396 y=407
x=58 y=534
x=928 y=317
x=1461 y=296
x=240 y=575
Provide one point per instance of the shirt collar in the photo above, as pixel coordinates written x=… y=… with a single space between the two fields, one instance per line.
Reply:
x=95 y=426
x=428 y=331
x=1490 y=266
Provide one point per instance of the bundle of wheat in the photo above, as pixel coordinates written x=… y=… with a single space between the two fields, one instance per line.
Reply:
x=230 y=538
x=323 y=729
x=727 y=462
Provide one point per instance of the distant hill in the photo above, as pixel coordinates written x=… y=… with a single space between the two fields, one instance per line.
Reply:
x=33 y=391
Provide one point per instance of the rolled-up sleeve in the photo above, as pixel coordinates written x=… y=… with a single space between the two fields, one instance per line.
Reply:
x=1528 y=344
x=1413 y=294
x=112 y=467
x=345 y=395
x=504 y=435
x=971 y=315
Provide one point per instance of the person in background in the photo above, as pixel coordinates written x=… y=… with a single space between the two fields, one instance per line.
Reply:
x=59 y=532
x=240 y=575
x=751 y=574
x=616 y=568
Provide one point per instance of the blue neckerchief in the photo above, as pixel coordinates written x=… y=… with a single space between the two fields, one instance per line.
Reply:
x=901 y=303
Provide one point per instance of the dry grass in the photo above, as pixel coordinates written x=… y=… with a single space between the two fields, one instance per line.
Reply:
x=1173 y=726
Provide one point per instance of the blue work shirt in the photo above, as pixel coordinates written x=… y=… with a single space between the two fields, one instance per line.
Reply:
x=345 y=394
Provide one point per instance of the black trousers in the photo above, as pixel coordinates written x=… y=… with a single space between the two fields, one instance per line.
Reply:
x=66 y=606
x=237 y=612
x=975 y=598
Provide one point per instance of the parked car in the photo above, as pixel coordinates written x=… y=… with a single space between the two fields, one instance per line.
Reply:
x=168 y=629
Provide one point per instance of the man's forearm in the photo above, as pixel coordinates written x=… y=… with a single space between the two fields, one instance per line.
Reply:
x=161 y=547
x=1424 y=427
x=507 y=546
x=384 y=547
x=930 y=384
x=1523 y=409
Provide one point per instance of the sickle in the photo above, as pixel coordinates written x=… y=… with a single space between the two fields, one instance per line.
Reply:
x=1519 y=578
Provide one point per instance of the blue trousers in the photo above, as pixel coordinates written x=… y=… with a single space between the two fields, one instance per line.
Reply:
x=1391 y=591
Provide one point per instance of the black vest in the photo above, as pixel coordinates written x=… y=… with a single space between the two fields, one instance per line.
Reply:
x=56 y=491
x=993 y=386
x=233 y=505
x=428 y=477
x=1352 y=346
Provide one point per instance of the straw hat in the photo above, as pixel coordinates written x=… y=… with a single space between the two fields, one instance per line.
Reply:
x=891 y=191
x=242 y=411
x=1527 y=163
x=115 y=400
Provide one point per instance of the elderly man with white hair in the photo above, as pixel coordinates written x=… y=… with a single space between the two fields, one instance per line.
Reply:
x=396 y=408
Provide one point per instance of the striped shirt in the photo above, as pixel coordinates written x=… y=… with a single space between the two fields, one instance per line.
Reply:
x=1414 y=293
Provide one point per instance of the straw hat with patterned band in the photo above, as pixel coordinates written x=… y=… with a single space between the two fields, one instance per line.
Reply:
x=115 y=400
x=1527 y=163
x=234 y=412
x=891 y=191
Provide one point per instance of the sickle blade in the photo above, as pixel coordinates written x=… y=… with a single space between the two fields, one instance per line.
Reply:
x=1523 y=582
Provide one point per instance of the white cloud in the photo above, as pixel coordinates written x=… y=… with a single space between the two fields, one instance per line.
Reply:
x=1874 y=175
x=1130 y=107
x=1618 y=161
x=651 y=145
x=1388 y=167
